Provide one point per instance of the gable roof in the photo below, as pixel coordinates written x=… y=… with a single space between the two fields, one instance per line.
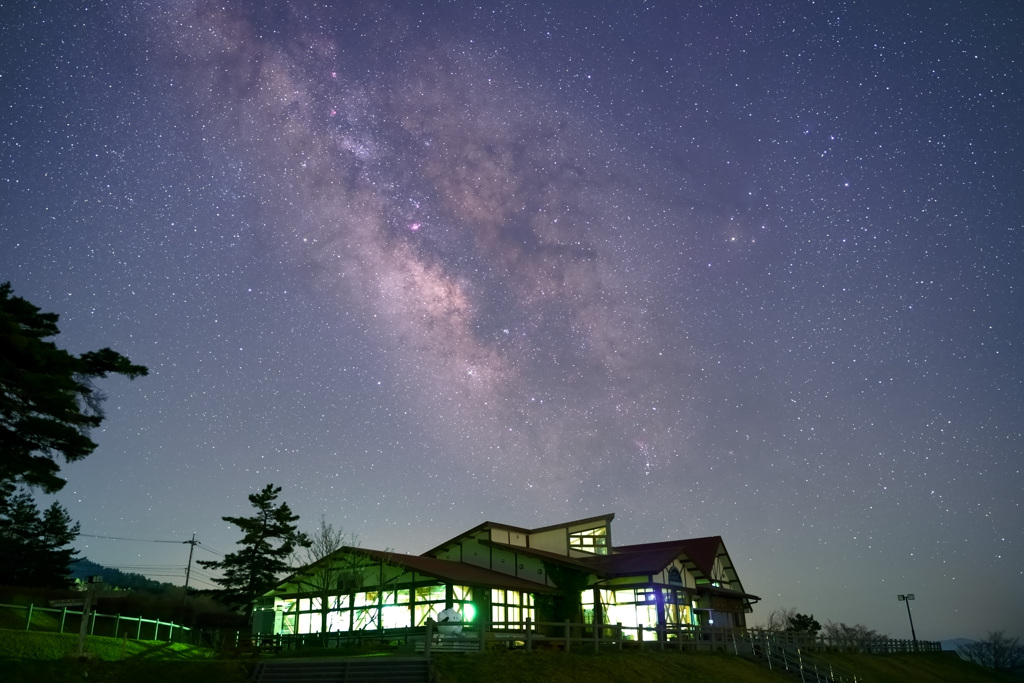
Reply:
x=518 y=529
x=443 y=570
x=459 y=572
x=701 y=552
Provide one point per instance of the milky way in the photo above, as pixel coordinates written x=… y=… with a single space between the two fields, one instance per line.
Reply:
x=507 y=307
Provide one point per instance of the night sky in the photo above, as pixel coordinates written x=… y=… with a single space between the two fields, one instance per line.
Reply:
x=740 y=268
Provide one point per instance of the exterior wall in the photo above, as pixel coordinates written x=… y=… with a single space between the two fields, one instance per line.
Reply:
x=662 y=577
x=503 y=561
x=453 y=554
x=718 y=574
x=475 y=553
x=509 y=537
x=530 y=568
x=552 y=541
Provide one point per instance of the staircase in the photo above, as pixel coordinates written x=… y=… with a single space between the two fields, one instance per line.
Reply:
x=780 y=656
x=342 y=670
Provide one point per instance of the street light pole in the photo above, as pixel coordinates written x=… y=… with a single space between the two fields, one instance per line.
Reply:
x=907 y=598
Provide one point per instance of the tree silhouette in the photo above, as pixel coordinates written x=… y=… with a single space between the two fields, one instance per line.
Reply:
x=269 y=538
x=33 y=545
x=997 y=651
x=803 y=623
x=48 y=400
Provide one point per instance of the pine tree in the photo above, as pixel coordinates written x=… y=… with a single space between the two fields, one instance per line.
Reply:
x=269 y=538
x=33 y=547
x=48 y=400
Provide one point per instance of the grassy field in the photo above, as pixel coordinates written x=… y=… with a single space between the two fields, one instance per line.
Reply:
x=932 y=667
x=658 y=667
x=616 y=667
x=34 y=657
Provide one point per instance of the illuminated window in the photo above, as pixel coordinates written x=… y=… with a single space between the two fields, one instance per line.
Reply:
x=511 y=609
x=636 y=609
x=594 y=541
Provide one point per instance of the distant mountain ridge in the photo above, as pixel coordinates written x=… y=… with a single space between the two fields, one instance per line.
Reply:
x=115 y=578
x=953 y=643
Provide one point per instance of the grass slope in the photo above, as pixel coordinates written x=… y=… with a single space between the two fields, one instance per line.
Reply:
x=34 y=657
x=924 y=667
x=658 y=667
x=613 y=667
x=49 y=646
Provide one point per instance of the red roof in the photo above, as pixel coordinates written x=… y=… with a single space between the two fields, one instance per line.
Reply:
x=700 y=551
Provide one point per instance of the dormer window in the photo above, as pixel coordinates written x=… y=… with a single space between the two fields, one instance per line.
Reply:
x=593 y=541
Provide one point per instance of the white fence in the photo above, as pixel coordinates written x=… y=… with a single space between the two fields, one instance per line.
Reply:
x=65 y=620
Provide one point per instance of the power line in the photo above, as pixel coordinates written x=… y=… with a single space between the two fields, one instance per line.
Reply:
x=137 y=540
x=209 y=550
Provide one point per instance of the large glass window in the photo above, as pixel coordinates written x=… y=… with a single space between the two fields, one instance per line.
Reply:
x=633 y=608
x=462 y=597
x=429 y=603
x=370 y=610
x=677 y=610
x=593 y=541
x=511 y=609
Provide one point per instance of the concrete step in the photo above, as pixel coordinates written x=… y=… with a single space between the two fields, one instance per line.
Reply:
x=344 y=670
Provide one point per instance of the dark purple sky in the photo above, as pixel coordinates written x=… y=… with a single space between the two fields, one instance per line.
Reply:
x=749 y=269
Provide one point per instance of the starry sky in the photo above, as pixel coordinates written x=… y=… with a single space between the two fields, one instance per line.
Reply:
x=750 y=269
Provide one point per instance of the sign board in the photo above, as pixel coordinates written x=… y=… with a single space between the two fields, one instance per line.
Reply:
x=73 y=602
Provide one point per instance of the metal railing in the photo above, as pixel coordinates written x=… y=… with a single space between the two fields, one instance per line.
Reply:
x=789 y=651
x=864 y=645
x=779 y=654
x=527 y=634
x=66 y=620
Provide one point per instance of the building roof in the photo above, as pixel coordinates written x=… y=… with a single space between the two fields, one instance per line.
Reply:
x=445 y=570
x=701 y=553
x=459 y=572
x=518 y=529
x=697 y=554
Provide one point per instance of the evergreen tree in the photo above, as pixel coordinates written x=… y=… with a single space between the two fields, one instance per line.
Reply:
x=803 y=623
x=48 y=402
x=269 y=538
x=33 y=547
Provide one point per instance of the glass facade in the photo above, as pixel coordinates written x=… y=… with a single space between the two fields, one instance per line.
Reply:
x=372 y=610
x=510 y=609
x=638 y=607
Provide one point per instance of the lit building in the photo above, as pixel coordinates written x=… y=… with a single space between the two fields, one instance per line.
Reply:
x=499 y=576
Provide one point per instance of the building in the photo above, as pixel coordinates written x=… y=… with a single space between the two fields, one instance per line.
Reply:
x=498 y=576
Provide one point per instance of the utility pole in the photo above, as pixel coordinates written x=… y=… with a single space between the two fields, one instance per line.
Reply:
x=188 y=570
